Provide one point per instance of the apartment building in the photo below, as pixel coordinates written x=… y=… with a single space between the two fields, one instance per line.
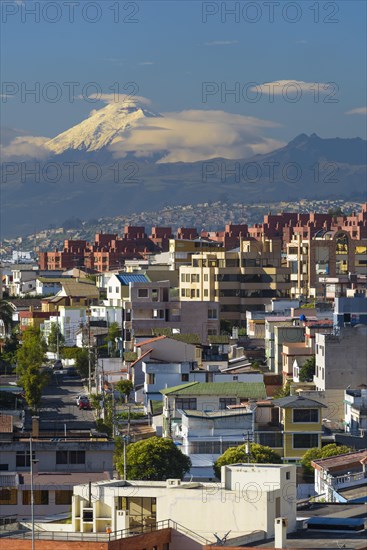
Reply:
x=243 y=279
x=149 y=305
x=328 y=254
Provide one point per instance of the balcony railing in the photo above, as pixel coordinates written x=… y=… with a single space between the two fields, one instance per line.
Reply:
x=107 y=537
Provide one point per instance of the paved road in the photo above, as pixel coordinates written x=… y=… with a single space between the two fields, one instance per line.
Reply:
x=58 y=406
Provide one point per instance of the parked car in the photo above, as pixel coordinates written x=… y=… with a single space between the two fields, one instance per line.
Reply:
x=84 y=404
x=81 y=398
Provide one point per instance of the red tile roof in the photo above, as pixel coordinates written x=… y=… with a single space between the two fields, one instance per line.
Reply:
x=145 y=342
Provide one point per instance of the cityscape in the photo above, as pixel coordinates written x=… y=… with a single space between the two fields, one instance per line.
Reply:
x=183 y=262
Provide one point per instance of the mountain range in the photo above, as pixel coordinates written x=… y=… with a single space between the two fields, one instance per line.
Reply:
x=109 y=164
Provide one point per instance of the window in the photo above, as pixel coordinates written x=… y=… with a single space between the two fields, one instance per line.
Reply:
x=305 y=415
x=61 y=457
x=70 y=457
x=154 y=295
x=206 y=293
x=186 y=403
x=4 y=467
x=305 y=441
x=187 y=277
x=63 y=497
x=183 y=293
x=150 y=378
x=224 y=402
x=142 y=293
x=271 y=439
x=76 y=457
x=287 y=475
x=206 y=277
x=8 y=497
x=40 y=497
x=182 y=277
x=22 y=459
x=184 y=377
x=212 y=313
x=110 y=289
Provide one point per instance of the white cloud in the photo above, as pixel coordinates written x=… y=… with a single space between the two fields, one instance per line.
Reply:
x=292 y=87
x=25 y=147
x=221 y=43
x=146 y=63
x=131 y=99
x=194 y=135
x=357 y=111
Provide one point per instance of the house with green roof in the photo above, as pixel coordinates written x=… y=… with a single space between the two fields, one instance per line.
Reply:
x=205 y=397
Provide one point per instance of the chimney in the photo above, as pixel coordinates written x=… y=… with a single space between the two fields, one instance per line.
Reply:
x=280 y=531
x=35 y=426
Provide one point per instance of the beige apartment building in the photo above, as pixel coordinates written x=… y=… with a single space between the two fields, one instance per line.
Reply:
x=243 y=279
x=327 y=254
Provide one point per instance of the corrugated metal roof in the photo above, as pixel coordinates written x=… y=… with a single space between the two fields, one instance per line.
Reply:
x=127 y=278
x=254 y=390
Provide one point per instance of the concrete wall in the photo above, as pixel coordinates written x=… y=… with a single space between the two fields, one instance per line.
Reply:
x=341 y=359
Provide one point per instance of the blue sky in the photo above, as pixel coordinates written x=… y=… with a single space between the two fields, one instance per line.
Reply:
x=169 y=52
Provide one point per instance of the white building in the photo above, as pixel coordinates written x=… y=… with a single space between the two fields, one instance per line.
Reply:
x=248 y=499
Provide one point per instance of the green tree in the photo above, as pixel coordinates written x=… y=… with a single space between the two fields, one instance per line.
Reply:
x=8 y=353
x=259 y=454
x=82 y=363
x=30 y=357
x=153 y=459
x=307 y=370
x=6 y=315
x=55 y=339
x=124 y=387
x=284 y=391
x=114 y=332
x=325 y=452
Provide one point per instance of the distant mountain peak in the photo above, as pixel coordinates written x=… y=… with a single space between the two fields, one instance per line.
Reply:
x=101 y=128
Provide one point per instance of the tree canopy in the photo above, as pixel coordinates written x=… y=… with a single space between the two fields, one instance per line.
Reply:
x=124 y=387
x=325 y=452
x=30 y=357
x=114 y=332
x=154 y=459
x=6 y=315
x=307 y=371
x=55 y=339
x=259 y=454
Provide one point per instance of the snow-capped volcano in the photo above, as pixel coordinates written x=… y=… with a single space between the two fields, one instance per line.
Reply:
x=101 y=128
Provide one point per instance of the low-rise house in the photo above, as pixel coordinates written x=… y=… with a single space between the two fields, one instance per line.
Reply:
x=58 y=465
x=210 y=396
x=342 y=478
x=301 y=420
x=356 y=411
x=247 y=501
x=47 y=286
x=213 y=432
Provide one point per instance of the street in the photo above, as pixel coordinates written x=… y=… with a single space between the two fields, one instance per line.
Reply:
x=58 y=406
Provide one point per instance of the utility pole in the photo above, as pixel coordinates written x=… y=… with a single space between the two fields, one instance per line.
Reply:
x=88 y=312
x=57 y=334
x=32 y=492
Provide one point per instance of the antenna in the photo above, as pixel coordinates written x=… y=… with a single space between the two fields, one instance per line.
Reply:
x=221 y=541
